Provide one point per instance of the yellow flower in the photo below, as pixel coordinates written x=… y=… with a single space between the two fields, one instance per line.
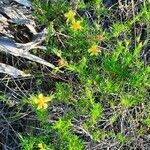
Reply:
x=94 y=50
x=76 y=25
x=41 y=146
x=42 y=101
x=62 y=62
x=100 y=37
x=70 y=15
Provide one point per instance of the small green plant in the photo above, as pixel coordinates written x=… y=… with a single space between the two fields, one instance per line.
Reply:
x=70 y=141
x=120 y=138
x=103 y=90
x=32 y=143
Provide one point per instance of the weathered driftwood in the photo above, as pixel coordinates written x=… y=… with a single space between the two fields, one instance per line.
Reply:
x=24 y=2
x=8 y=44
x=12 y=71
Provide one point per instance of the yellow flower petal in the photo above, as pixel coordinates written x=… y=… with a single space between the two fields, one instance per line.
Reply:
x=70 y=15
x=76 y=25
x=47 y=99
x=42 y=101
x=35 y=100
x=45 y=106
x=41 y=146
x=40 y=107
x=40 y=95
x=94 y=50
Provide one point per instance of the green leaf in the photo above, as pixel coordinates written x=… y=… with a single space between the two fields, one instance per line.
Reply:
x=96 y=112
x=121 y=138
